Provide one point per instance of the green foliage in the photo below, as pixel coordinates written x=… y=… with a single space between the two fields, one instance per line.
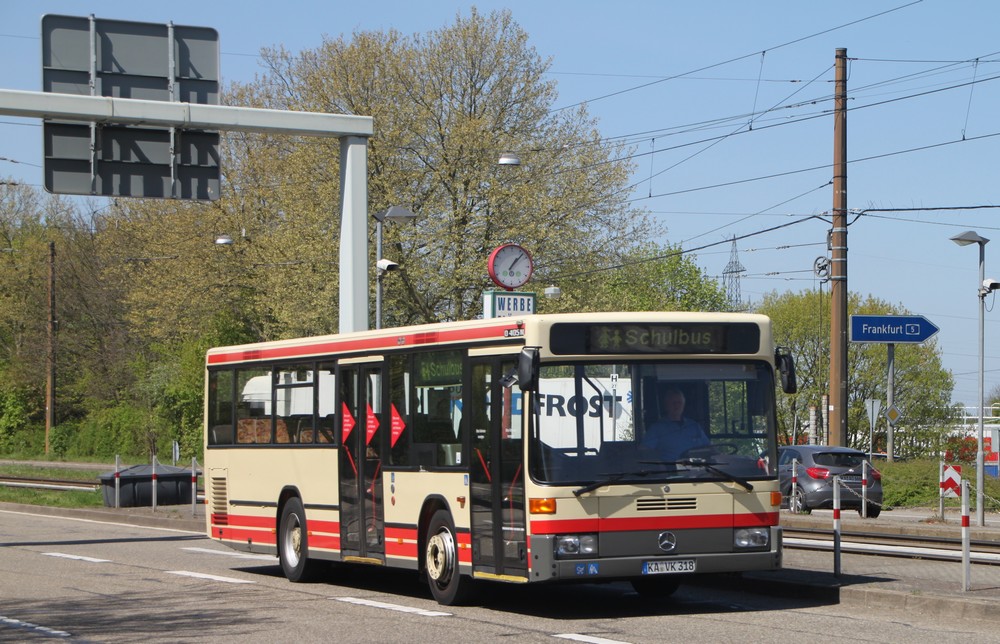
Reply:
x=124 y=430
x=61 y=439
x=915 y=483
x=910 y=483
x=962 y=449
x=13 y=416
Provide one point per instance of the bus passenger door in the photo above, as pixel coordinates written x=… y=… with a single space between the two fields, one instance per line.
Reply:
x=362 y=524
x=499 y=540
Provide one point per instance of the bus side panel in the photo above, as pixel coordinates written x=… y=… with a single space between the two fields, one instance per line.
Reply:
x=243 y=511
x=407 y=494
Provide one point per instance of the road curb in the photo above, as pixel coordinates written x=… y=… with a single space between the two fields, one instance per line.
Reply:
x=929 y=605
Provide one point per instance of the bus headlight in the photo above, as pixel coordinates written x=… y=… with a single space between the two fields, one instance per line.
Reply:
x=752 y=537
x=572 y=545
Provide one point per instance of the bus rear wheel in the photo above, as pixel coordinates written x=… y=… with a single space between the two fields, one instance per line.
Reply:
x=293 y=544
x=441 y=562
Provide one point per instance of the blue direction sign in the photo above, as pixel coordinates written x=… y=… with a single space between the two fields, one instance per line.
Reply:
x=891 y=328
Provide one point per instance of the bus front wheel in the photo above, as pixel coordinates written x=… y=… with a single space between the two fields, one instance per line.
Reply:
x=441 y=562
x=293 y=545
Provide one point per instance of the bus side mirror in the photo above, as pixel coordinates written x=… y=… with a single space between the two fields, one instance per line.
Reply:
x=527 y=369
x=786 y=370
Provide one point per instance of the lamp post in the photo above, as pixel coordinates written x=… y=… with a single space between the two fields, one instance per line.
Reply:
x=382 y=265
x=964 y=239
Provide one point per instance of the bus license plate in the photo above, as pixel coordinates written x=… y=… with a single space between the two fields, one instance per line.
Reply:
x=667 y=567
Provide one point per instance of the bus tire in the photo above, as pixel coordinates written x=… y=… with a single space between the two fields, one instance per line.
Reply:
x=293 y=543
x=447 y=586
x=655 y=586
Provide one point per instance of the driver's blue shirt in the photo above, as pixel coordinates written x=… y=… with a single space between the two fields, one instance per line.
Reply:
x=671 y=438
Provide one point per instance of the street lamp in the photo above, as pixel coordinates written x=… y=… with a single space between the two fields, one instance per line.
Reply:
x=382 y=265
x=964 y=239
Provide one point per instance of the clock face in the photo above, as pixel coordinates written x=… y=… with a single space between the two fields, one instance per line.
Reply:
x=509 y=266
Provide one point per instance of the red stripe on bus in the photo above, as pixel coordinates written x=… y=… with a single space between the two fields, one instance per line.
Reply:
x=332 y=527
x=324 y=542
x=244 y=536
x=361 y=344
x=396 y=549
x=400 y=533
x=562 y=526
x=248 y=521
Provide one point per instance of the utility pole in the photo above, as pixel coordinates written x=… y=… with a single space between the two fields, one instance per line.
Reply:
x=837 y=434
x=50 y=351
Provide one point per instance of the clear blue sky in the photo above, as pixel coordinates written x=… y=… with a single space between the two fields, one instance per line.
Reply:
x=666 y=75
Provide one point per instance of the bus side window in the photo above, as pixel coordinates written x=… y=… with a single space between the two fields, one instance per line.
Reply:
x=438 y=394
x=220 y=407
x=401 y=437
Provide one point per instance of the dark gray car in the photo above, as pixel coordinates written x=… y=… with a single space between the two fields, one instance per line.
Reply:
x=816 y=467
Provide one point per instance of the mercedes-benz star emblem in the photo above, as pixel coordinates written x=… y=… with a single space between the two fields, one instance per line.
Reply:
x=667 y=541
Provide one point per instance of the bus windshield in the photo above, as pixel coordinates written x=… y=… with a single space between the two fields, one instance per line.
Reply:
x=647 y=421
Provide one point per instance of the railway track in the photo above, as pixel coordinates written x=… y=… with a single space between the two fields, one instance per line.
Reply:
x=883 y=544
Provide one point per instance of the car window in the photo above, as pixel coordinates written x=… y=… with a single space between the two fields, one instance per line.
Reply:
x=838 y=459
x=787 y=455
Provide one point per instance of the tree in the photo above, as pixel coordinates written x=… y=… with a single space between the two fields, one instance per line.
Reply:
x=922 y=386
x=445 y=105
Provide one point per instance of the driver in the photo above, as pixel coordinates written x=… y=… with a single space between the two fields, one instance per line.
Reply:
x=674 y=433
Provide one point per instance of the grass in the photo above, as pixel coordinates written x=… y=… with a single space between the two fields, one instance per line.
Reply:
x=53 y=498
x=51 y=472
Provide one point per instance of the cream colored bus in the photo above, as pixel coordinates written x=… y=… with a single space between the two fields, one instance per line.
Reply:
x=516 y=450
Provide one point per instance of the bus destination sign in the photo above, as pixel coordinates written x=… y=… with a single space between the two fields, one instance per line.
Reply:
x=623 y=338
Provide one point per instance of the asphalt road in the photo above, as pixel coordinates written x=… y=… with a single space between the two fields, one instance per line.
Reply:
x=82 y=580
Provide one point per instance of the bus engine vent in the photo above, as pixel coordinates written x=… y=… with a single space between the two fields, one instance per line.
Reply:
x=220 y=500
x=661 y=504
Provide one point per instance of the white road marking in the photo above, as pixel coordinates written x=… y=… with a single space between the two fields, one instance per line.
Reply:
x=587 y=638
x=231 y=553
x=77 y=557
x=201 y=575
x=32 y=628
x=396 y=607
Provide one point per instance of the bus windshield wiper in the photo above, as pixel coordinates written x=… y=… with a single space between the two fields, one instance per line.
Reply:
x=702 y=463
x=608 y=480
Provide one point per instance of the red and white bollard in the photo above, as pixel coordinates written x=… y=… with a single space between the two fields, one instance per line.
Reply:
x=836 y=526
x=194 y=486
x=118 y=467
x=966 y=555
x=795 y=484
x=864 y=489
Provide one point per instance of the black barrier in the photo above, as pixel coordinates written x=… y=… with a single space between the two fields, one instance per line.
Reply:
x=173 y=486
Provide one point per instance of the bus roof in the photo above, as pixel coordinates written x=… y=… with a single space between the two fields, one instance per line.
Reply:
x=530 y=329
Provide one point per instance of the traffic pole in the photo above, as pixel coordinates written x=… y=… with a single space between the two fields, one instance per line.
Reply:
x=966 y=555
x=836 y=526
x=118 y=467
x=795 y=484
x=941 y=488
x=154 y=484
x=864 y=489
x=194 y=486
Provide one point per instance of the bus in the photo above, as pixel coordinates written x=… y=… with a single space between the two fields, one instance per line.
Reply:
x=513 y=450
